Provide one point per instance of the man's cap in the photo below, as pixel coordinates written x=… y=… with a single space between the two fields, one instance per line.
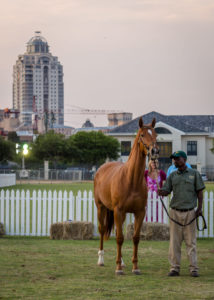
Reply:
x=179 y=154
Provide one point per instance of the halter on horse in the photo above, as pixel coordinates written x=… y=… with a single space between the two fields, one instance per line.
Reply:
x=121 y=188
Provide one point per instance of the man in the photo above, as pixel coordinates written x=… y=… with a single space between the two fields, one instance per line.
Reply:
x=187 y=186
x=173 y=168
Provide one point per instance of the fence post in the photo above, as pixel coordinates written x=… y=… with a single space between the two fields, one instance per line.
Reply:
x=154 y=206
x=60 y=206
x=65 y=203
x=39 y=213
x=28 y=213
x=34 y=213
x=44 y=199
x=78 y=206
x=71 y=206
x=22 y=212
x=7 y=224
x=17 y=211
x=54 y=206
x=85 y=206
x=211 y=215
x=206 y=212
x=49 y=209
x=165 y=217
x=2 y=207
x=90 y=203
x=149 y=207
x=12 y=213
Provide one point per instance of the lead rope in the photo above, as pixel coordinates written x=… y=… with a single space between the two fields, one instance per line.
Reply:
x=180 y=224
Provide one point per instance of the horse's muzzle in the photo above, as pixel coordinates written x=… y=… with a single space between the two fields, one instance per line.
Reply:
x=154 y=153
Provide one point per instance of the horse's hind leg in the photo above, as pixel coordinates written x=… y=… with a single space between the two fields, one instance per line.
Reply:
x=101 y=211
x=119 y=217
x=136 y=238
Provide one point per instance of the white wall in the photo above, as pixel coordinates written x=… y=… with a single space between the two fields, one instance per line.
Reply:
x=200 y=158
x=7 y=179
x=209 y=154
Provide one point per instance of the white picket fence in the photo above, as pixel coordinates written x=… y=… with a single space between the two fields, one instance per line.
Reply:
x=32 y=215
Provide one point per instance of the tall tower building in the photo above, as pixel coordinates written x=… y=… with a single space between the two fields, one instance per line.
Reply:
x=38 y=87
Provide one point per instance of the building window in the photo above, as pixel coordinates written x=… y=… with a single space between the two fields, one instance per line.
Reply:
x=162 y=130
x=191 y=148
x=125 y=148
x=165 y=149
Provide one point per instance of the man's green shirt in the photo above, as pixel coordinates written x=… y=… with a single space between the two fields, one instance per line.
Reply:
x=184 y=186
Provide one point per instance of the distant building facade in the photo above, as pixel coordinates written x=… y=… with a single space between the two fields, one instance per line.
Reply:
x=66 y=130
x=193 y=134
x=9 y=120
x=117 y=119
x=38 y=86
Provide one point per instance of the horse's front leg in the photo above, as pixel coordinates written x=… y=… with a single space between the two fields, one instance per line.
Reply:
x=119 y=217
x=136 y=238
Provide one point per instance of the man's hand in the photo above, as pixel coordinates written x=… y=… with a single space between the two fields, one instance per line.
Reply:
x=162 y=193
x=200 y=203
x=198 y=212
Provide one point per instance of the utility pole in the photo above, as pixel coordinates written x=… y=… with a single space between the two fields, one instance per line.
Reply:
x=46 y=121
x=53 y=119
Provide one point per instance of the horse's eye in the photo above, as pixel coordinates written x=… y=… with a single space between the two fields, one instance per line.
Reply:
x=142 y=135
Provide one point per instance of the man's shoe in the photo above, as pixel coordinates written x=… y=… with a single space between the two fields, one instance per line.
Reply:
x=173 y=273
x=194 y=274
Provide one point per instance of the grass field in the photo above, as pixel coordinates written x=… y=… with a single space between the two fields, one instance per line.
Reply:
x=39 y=268
x=75 y=187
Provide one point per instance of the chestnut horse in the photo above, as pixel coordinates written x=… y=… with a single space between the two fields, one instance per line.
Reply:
x=120 y=188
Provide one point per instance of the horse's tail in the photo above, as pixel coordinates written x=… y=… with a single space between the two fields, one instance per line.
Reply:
x=109 y=223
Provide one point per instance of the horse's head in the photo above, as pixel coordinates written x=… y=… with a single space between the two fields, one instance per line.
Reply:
x=147 y=139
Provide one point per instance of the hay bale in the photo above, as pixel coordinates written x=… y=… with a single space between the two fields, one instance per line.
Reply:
x=72 y=231
x=2 y=232
x=150 y=231
x=56 y=231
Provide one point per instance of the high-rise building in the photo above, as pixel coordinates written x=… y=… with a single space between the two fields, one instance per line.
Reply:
x=38 y=87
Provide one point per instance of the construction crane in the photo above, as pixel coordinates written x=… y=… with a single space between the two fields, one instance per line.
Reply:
x=50 y=116
x=84 y=111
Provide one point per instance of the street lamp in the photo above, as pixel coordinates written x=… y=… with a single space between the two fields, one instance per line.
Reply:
x=24 y=152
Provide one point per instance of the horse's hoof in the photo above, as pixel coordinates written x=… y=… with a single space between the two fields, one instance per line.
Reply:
x=100 y=265
x=136 y=271
x=119 y=272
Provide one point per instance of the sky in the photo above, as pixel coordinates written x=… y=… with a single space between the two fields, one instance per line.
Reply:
x=125 y=55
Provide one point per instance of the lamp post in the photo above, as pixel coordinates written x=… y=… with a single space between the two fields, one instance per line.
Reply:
x=24 y=152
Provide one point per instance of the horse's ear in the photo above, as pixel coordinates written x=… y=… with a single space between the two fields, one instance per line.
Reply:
x=153 y=123
x=141 y=122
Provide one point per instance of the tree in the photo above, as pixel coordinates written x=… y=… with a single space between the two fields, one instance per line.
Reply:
x=94 y=147
x=49 y=146
x=7 y=150
x=13 y=137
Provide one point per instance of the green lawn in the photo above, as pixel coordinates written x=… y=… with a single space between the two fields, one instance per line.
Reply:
x=75 y=187
x=39 y=268
x=209 y=186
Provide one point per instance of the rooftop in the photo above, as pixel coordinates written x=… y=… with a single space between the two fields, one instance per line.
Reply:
x=185 y=123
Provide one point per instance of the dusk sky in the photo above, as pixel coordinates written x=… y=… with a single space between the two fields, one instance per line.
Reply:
x=131 y=55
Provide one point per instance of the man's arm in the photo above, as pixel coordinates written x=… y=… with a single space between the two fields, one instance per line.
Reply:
x=200 y=203
x=199 y=186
